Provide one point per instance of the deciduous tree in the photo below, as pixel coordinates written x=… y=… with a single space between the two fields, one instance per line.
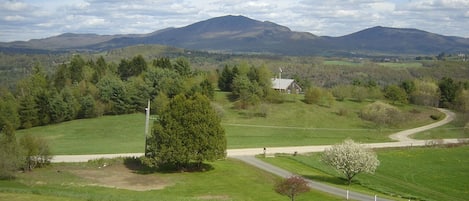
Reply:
x=395 y=94
x=292 y=187
x=350 y=159
x=381 y=114
x=36 y=150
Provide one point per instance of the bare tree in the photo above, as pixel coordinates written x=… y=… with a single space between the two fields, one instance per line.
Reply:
x=350 y=159
x=292 y=186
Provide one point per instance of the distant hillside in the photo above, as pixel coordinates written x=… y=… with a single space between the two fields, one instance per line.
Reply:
x=396 y=41
x=226 y=34
x=244 y=35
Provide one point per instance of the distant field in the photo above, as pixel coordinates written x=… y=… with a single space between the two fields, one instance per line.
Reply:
x=401 y=65
x=228 y=180
x=417 y=174
x=386 y=64
x=288 y=124
x=342 y=63
x=454 y=129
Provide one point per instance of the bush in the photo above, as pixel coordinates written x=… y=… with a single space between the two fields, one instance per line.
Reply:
x=435 y=116
x=36 y=150
x=343 y=112
x=382 y=114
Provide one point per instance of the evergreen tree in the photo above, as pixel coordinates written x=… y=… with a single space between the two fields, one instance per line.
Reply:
x=448 y=91
x=163 y=62
x=28 y=112
x=182 y=67
x=8 y=109
x=225 y=80
x=188 y=131
x=10 y=152
x=76 y=69
x=112 y=92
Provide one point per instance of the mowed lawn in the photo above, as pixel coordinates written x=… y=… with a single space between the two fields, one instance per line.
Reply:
x=227 y=180
x=292 y=123
x=412 y=173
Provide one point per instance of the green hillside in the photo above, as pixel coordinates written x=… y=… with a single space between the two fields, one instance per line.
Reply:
x=287 y=124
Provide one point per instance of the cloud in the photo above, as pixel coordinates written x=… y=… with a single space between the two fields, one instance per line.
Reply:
x=27 y=19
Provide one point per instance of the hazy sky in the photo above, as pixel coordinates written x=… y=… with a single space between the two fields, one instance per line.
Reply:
x=32 y=19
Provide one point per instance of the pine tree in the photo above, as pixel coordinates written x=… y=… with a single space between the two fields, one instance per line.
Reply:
x=188 y=131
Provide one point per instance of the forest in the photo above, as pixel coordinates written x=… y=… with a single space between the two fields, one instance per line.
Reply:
x=89 y=86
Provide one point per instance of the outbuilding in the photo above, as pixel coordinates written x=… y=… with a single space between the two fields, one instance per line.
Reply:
x=286 y=85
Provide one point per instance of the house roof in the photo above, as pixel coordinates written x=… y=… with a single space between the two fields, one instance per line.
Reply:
x=281 y=84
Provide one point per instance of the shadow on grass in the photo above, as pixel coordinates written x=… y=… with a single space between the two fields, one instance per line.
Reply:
x=139 y=166
x=331 y=180
x=328 y=179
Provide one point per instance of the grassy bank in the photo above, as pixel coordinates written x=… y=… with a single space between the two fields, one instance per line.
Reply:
x=227 y=180
x=417 y=173
x=287 y=124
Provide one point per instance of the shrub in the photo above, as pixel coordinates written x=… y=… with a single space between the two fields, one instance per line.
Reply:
x=382 y=114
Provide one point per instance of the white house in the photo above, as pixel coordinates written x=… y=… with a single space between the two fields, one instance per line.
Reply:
x=286 y=85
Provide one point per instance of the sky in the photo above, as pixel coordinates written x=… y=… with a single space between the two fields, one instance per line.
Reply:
x=34 y=19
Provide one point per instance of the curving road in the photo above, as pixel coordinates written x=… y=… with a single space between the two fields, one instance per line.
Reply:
x=247 y=155
x=403 y=136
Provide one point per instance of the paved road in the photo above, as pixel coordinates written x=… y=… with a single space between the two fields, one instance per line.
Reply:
x=252 y=160
x=247 y=155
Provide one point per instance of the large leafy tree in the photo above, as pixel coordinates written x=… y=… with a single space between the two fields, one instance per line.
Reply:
x=426 y=93
x=396 y=94
x=350 y=159
x=188 y=131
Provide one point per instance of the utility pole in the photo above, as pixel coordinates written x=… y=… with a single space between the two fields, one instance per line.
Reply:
x=147 y=123
x=279 y=78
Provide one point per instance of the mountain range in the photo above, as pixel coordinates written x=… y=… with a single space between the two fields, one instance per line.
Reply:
x=239 y=34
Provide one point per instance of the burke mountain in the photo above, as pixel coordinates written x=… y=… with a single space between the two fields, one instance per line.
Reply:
x=239 y=34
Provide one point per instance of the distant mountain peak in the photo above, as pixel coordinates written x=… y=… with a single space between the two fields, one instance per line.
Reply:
x=238 y=33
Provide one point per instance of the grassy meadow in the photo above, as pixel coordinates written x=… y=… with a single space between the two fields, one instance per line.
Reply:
x=226 y=180
x=435 y=173
x=291 y=123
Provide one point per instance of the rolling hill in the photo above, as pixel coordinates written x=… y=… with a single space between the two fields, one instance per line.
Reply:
x=239 y=34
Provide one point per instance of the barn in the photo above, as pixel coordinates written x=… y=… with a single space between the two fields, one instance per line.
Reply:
x=286 y=85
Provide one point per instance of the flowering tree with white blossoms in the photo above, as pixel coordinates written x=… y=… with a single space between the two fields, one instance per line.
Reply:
x=351 y=158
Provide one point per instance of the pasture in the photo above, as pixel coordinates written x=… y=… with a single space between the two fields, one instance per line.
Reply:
x=124 y=181
x=291 y=123
x=429 y=173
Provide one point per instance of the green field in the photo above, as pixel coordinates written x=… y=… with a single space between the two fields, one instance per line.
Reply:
x=454 y=129
x=288 y=124
x=228 y=180
x=417 y=174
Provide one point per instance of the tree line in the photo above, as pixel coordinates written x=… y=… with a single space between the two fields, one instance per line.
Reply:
x=86 y=89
